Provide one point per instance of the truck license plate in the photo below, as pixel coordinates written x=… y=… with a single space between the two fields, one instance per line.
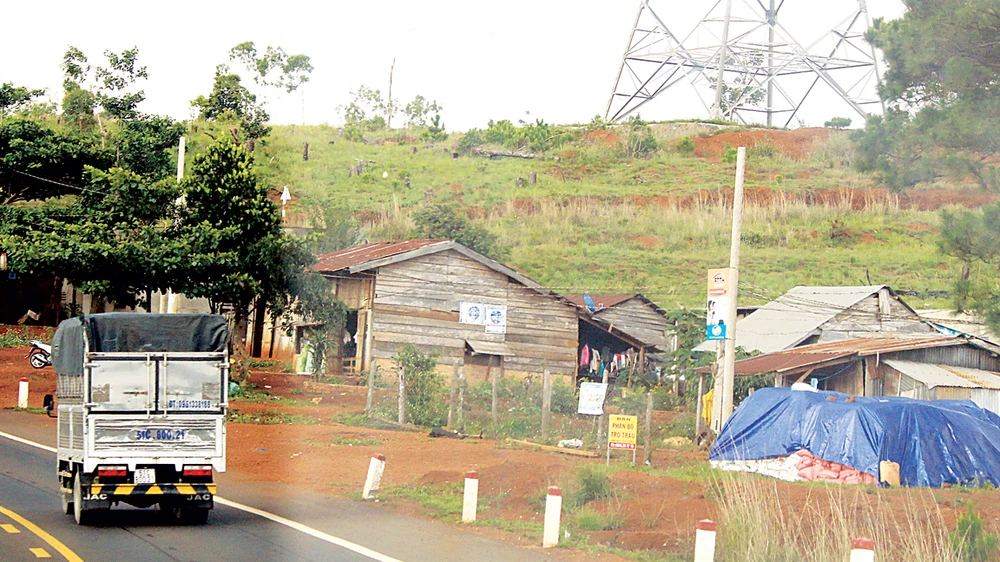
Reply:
x=160 y=434
x=145 y=476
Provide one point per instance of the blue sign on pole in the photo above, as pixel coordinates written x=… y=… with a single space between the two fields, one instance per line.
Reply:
x=715 y=332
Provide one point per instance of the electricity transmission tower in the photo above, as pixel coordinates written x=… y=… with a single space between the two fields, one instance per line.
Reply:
x=744 y=64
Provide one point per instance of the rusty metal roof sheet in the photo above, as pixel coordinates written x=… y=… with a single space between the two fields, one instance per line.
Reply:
x=837 y=352
x=358 y=255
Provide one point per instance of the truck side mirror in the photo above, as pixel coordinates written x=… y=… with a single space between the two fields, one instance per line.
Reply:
x=48 y=404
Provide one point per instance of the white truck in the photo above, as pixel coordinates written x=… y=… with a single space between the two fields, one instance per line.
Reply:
x=142 y=412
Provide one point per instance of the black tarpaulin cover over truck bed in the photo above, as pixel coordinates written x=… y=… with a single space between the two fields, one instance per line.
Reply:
x=135 y=332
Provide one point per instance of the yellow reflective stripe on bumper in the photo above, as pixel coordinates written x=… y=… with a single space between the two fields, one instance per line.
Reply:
x=183 y=489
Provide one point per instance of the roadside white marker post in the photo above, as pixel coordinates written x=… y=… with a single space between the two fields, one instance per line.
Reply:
x=863 y=550
x=553 y=508
x=22 y=393
x=469 y=501
x=375 y=468
x=704 y=541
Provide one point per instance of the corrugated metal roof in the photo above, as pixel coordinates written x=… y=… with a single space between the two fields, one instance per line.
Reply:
x=983 y=379
x=600 y=301
x=930 y=375
x=817 y=354
x=357 y=255
x=794 y=316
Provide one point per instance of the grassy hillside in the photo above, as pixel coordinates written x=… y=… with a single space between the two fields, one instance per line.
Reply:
x=600 y=222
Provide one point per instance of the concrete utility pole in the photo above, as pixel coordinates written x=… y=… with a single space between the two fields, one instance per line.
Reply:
x=728 y=371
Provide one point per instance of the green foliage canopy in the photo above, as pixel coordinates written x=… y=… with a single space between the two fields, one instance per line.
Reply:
x=943 y=114
x=444 y=221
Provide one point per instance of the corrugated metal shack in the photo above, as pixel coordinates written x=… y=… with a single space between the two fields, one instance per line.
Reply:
x=416 y=292
x=929 y=368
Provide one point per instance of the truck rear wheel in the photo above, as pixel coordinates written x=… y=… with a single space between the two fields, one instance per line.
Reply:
x=81 y=516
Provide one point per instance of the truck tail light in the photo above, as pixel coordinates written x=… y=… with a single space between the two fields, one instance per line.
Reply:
x=112 y=470
x=197 y=470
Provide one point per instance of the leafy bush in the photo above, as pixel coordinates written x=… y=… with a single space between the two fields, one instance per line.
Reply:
x=838 y=123
x=444 y=221
x=592 y=483
x=685 y=146
x=637 y=138
x=425 y=392
x=11 y=338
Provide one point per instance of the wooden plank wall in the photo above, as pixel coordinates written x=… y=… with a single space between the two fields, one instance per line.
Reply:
x=638 y=320
x=417 y=302
x=866 y=320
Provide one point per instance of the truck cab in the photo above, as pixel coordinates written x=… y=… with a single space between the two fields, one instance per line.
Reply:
x=142 y=412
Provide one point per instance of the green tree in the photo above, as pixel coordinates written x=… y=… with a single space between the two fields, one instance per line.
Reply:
x=15 y=98
x=231 y=101
x=273 y=67
x=368 y=111
x=444 y=221
x=838 y=123
x=420 y=110
x=940 y=87
x=38 y=163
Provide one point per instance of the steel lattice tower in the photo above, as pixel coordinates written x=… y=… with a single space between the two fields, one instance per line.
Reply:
x=764 y=72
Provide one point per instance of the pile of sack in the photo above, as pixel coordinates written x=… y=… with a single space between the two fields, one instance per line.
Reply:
x=813 y=468
x=801 y=465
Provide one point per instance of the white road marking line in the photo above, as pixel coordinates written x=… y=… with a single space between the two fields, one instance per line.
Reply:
x=26 y=442
x=364 y=551
x=310 y=531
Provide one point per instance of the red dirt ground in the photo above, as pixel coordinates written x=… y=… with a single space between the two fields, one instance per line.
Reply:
x=793 y=144
x=660 y=511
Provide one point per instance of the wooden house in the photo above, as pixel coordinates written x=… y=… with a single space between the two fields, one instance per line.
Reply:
x=473 y=312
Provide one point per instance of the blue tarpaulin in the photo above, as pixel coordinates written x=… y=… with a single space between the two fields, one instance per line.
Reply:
x=934 y=442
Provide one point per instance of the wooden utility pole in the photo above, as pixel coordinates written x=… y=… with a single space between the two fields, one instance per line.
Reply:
x=493 y=377
x=546 y=399
x=728 y=371
x=402 y=395
x=453 y=396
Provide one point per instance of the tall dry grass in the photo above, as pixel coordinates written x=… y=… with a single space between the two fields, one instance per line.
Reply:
x=757 y=523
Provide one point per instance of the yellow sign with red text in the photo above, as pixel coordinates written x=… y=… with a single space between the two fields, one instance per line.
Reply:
x=622 y=431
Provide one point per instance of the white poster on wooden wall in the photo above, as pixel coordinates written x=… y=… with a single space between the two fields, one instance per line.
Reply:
x=472 y=313
x=496 y=319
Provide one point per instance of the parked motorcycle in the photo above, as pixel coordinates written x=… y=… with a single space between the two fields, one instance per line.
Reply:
x=40 y=355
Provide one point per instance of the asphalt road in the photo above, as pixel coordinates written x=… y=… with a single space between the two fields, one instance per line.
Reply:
x=283 y=524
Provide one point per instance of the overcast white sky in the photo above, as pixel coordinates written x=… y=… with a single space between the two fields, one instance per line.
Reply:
x=556 y=59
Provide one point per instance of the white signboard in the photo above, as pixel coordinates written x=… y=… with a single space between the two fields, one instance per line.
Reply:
x=496 y=319
x=472 y=313
x=592 y=398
